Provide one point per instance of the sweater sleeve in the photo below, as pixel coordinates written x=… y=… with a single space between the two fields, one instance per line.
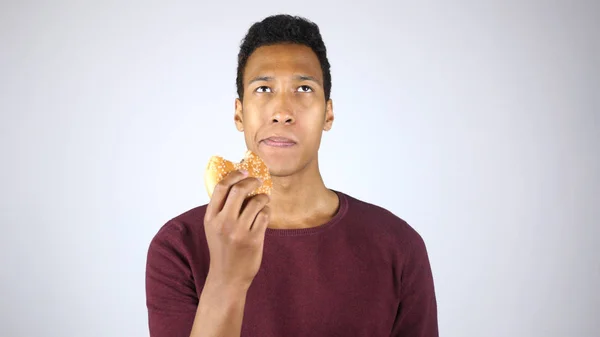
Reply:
x=171 y=296
x=417 y=312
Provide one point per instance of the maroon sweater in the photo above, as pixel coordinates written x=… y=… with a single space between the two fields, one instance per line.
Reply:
x=364 y=273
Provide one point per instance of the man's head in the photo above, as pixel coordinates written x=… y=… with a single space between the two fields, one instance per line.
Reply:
x=284 y=85
x=279 y=29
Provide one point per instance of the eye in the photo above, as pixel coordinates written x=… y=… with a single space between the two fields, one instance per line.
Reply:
x=263 y=89
x=304 y=88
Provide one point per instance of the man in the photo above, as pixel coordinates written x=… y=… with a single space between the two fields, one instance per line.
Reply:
x=305 y=261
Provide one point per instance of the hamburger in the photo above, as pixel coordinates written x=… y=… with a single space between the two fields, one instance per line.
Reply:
x=219 y=167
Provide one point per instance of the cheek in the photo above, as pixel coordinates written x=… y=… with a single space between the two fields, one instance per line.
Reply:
x=251 y=129
x=252 y=115
x=310 y=129
x=252 y=122
x=308 y=102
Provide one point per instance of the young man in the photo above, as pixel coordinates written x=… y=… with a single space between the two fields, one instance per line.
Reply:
x=306 y=261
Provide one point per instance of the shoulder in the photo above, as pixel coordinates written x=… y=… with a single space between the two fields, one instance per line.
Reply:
x=184 y=223
x=183 y=233
x=176 y=267
x=381 y=222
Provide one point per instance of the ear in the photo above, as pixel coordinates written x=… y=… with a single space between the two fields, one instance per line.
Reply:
x=238 y=117
x=328 y=116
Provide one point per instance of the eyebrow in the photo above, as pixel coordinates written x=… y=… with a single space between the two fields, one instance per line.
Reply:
x=306 y=78
x=297 y=77
x=261 y=78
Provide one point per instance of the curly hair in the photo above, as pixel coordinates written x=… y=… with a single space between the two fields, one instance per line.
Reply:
x=283 y=29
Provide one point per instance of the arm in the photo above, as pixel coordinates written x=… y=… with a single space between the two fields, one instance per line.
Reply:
x=220 y=311
x=417 y=313
x=234 y=238
x=170 y=290
x=174 y=309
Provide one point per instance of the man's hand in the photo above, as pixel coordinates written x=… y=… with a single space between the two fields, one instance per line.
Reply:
x=235 y=230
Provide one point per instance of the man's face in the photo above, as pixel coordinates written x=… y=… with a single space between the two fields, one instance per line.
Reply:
x=284 y=97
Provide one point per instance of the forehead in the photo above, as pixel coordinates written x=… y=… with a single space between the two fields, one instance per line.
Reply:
x=283 y=60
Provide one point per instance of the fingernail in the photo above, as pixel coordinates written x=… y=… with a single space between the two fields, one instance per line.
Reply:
x=244 y=172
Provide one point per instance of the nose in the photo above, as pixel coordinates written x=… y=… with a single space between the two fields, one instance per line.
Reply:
x=284 y=111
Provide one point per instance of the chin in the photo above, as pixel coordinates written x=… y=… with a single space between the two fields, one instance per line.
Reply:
x=286 y=169
x=283 y=171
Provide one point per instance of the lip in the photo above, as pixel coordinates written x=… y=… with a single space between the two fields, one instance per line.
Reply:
x=277 y=141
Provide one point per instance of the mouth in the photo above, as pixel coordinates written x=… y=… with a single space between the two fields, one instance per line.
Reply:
x=278 y=142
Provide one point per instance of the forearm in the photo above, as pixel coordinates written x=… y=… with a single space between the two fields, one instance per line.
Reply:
x=220 y=311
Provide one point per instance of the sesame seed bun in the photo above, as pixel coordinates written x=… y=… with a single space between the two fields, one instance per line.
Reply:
x=218 y=168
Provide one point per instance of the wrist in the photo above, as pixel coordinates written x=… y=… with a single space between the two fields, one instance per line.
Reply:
x=225 y=289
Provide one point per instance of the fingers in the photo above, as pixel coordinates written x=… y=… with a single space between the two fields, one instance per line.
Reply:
x=220 y=192
x=254 y=206
x=238 y=195
x=261 y=222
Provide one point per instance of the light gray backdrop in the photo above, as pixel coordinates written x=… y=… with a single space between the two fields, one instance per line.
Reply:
x=480 y=119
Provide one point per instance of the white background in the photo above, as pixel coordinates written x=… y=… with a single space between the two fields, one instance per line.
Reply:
x=481 y=120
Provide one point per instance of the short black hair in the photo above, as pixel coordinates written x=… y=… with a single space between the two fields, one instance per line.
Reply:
x=281 y=29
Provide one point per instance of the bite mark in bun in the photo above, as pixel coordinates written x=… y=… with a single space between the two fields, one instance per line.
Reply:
x=218 y=168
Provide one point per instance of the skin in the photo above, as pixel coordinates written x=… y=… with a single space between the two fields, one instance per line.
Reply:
x=235 y=237
x=284 y=95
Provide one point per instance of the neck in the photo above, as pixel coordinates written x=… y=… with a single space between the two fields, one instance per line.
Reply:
x=301 y=200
